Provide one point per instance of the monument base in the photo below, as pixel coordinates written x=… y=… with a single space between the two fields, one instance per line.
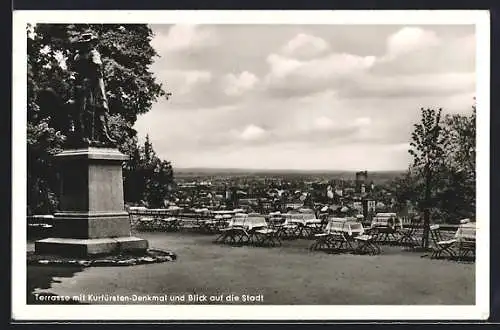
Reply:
x=90 y=247
x=91 y=220
x=85 y=225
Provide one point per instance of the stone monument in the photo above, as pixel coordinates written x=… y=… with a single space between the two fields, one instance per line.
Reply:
x=92 y=219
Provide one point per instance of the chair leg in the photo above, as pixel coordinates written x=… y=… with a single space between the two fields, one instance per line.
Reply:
x=446 y=250
x=318 y=244
x=450 y=251
x=330 y=244
x=277 y=239
x=220 y=238
x=243 y=239
x=362 y=247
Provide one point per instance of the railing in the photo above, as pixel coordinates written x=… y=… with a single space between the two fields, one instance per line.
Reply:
x=444 y=227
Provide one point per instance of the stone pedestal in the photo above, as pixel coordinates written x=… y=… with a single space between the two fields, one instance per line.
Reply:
x=92 y=219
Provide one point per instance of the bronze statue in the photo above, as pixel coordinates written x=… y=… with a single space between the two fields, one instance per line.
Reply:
x=88 y=108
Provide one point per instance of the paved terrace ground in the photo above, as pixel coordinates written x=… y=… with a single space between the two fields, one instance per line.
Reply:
x=283 y=275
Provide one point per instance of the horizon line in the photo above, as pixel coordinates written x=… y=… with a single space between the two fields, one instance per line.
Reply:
x=282 y=169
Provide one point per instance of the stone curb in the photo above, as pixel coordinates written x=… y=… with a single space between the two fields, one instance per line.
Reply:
x=152 y=256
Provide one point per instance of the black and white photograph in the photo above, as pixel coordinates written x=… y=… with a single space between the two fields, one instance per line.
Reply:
x=285 y=165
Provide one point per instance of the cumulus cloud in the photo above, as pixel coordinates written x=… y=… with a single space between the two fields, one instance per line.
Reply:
x=290 y=76
x=426 y=53
x=315 y=130
x=183 y=82
x=252 y=133
x=184 y=37
x=333 y=64
x=416 y=62
x=300 y=96
x=305 y=46
x=236 y=85
x=282 y=66
x=409 y=39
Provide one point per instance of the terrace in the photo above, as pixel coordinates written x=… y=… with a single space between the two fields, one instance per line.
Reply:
x=288 y=273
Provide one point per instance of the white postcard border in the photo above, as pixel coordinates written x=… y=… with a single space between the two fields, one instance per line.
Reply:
x=22 y=311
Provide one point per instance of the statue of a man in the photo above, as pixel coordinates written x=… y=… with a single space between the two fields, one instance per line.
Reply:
x=90 y=103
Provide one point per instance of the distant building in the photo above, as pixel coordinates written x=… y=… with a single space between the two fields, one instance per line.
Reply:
x=248 y=201
x=266 y=205
x=329 y=192
x=361 y=180
x=349 y=191
x=369 y=206
x=357 y=206
x=296 y=205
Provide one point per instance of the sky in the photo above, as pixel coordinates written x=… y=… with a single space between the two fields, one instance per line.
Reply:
x=319 y=97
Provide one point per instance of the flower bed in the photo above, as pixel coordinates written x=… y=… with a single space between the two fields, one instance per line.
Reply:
x=151 y=256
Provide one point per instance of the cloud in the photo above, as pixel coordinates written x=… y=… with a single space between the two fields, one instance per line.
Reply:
x=323 y=123
x=252 y=133
x=197 y=77
x=363 y=121
x=409 y=39
x=418 y=51
x=305 y=46
x=184 y=38
x=239 y=84
x=295 y=101
x=325 y=128
x=321 y=129
x=410 y=85
x=288 y=77
x=282 y=66
x=319 y=157
x=417 y=62
x=334 y=64
x=184 y=82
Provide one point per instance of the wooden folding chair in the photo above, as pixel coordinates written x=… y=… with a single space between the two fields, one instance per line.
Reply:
x=338 y=242
x=267 y=237
x=287 y=229
x=322 y=239
x=441 y=247
x=243 y=236
x=146 y=224
x=233 y=233
x=225 y=236
x=408 y=236
x=321 y=242
x=366 y=245
x=467 y=249
x=312 y=229
x=169 y=224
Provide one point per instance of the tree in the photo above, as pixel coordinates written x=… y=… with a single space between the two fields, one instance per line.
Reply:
x=147 y=177
x=406 y=188
x=43 y=142
x=428 y=148
x=461 y=163
x=131 y=90
x=454 y=182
